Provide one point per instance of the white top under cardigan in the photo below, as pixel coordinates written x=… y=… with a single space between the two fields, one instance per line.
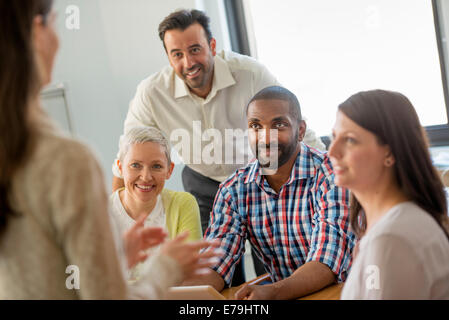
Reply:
x=124 y=222
x=404 y=256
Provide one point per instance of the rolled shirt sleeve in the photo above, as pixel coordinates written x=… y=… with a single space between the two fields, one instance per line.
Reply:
x=228 y=226
x=331 y=242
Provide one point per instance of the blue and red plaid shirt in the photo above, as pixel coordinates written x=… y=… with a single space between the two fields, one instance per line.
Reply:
x=308 y=220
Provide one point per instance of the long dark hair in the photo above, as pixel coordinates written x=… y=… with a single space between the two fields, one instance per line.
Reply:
x=18 y=85
x=393 y=119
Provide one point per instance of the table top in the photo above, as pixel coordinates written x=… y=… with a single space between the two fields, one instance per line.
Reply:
x=329 y=293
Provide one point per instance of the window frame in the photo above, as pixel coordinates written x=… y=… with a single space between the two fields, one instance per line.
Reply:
x=438 y=134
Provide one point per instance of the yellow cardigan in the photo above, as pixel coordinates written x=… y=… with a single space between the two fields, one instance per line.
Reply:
x=182 y=214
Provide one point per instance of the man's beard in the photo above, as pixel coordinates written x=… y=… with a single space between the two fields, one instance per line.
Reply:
x=202 y=79
x=279 y=153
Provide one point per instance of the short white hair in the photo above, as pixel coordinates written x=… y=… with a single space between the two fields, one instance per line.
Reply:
x=141 y=135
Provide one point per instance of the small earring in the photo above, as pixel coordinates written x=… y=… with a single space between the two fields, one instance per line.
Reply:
x=388 y=162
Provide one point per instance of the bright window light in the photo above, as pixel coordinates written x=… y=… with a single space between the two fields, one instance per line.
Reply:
x=326 y=50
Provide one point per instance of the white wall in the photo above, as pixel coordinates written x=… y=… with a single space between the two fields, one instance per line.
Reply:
x=102 y=63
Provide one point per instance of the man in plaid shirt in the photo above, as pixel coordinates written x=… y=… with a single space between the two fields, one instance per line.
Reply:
x=286 y=203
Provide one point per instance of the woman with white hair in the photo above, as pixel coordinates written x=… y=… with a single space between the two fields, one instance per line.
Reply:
x=145 y=164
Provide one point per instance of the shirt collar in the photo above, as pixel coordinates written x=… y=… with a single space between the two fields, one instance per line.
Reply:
x=181 y=89
x=222 y=79
x=303 y=168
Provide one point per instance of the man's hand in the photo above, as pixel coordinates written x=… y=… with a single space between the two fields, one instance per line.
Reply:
x=255 y=292
x=310 y=277
x=138 y=238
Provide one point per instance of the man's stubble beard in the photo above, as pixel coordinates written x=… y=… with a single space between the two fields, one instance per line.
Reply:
x=284 y=152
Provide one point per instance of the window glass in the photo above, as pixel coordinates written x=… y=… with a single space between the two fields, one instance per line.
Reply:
x=326 y=50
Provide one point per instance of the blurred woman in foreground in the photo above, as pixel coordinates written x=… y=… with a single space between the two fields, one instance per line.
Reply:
x=53 y=202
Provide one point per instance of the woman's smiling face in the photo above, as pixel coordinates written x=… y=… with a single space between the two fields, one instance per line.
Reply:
x=144 y=169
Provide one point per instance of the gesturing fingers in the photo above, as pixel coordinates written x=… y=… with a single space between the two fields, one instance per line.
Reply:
x=152 y=236
x=139 y=223
x=181 y=237
x=153 y=232
x=202 y=244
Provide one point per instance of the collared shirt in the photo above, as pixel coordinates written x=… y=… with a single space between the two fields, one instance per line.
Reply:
x=201 y=130
x=308 y=220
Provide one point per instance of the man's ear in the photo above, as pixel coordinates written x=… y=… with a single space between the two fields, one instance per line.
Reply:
x=302 y=130
x=213 y=46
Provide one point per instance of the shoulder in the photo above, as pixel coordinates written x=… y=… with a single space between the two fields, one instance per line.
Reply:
x=62 y=154
x=67 y=174
x=240 y=177
x=318 y=169
x=318 y=161
x=410 y=232
x=178 y=196
x=240 y=62
x=409 y=223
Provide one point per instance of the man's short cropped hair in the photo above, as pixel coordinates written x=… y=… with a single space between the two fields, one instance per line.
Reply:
x=279 y=93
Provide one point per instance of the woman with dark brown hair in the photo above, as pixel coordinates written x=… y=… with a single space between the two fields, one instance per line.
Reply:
x=398 y=206
x=56 y=240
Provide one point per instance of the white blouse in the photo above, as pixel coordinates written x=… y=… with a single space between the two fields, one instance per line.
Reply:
x=404 y=256
x=124 y=222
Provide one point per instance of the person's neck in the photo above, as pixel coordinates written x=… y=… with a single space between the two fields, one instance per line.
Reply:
x=204 y=91
x=135 y=208
x=276 y=179
x=378 y=200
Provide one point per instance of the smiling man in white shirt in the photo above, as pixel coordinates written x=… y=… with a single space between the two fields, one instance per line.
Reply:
x=201 y=93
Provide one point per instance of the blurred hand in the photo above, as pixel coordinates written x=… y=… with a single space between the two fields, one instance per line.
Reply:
x=139 y=238
x=188 y=255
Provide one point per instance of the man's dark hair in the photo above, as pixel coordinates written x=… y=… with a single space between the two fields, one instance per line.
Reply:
x=182 y=19
x=279 y=93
